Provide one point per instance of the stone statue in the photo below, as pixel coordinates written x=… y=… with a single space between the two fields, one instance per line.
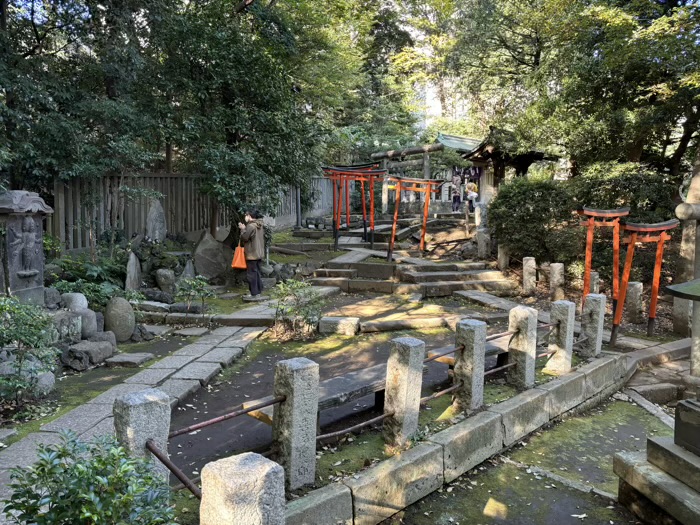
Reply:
x=27 y=242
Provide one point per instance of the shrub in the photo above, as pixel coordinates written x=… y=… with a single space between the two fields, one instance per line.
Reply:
x=298 y=309
x=97 y=294
x=75 y=482
x=52 y=246
x=25 y=331
x=191 y=289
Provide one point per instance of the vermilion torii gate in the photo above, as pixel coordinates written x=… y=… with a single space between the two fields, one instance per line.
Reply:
x=341 y=177
x=427 y=186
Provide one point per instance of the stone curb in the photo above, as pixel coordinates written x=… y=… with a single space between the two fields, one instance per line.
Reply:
x=382 y=490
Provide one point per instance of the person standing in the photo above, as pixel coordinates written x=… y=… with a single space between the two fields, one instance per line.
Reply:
x=253 y=239
x=456 y=192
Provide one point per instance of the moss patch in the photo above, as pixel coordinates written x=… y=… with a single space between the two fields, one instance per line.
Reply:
x=186 y=507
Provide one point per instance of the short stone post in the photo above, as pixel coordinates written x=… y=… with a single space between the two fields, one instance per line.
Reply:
x=404 y=379
x=529 y=275
x=294 y=420
x=682 y=308
x=592 y=319
x=635 y=303
x=246 y=488
x=469 y=364
x=595 y=282
x=503 y=257
x=556 y=282
x=523 y=347
x=140 y=416
x=483 y=243
x=561 y=341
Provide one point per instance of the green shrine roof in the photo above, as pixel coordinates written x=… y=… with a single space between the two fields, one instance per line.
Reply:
x=689 y=290
x=461 y=144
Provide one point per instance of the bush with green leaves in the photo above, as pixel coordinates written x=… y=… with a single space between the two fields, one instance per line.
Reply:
x=25 y=330
x=52 y=246
x=196 y=288
x=97 y=294
x=298 y=308
x=75 y=482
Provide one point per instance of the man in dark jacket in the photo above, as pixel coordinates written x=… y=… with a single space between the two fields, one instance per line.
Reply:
x=253 y=239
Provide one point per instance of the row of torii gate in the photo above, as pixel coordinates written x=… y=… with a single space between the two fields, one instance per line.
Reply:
x=367 y=175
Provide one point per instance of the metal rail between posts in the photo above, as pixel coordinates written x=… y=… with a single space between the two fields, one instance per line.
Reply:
x=498 y=369
x=502 y=334
x=443 y=354
x=230 y=415
x=179 y=474
x=339 y=433
x=584 y=338
x=425 y=400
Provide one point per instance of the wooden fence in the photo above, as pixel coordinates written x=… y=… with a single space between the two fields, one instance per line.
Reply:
x=83 y=210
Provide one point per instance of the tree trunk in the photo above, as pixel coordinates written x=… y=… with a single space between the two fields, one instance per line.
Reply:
x=690 y=126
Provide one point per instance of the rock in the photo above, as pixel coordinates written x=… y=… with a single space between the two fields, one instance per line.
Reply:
x=269 y=282
x=52 y=273
x=140 y=333
x=67 y=326
x=52 y=298
x=108 y=337
x=45 y=383
x=133 y=273
x=97 y=351
x=181 y=308
x=129 y=360
x=308 y=268
x=166 y=280
x=158 y=296
x=89 y=323
x=136 y=241
x=209 y=260
x=156 y=228
x=76 y=360
x=266 y=270
x=151 y=306
x=119 y=318
x=74 y=301
x=188 y=272
x=100 y=318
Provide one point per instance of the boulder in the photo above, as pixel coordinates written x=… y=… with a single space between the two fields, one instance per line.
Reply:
x=52 y=273
x=108 y=337
x=140 y=334
x=181 y=308
x=100 y=318
x=209 y=260
x=66 y=326
x=74 y=301
x=76 y=360
x=188 y=272
x=88 y=321
x=266 y=270
x=136 y=241
x=156 y=228
x=96 y=351
x=120 y=319
x=166 y=280
x=133 y=273
x=52 y=298
x=158 y=296
x=44 y=384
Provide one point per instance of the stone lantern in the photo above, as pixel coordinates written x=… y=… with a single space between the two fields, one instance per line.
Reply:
x=21 y=248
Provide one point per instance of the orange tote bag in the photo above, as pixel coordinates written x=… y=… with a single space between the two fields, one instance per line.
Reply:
x=238 y=258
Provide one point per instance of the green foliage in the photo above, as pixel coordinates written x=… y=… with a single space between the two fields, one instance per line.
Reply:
x=191 y=289
x=97 y=294
x=52 y=247
x=76 y=482
x=104 y=269
x=298 y=309
x=27 y=329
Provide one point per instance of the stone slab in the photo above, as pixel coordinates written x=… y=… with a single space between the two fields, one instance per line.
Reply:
x=244 y=318
x=356 y=286
x=674 y=460
x=395 y=483
x=24 y=452
x=564 y=393
x=129 y=360
x=108 y=397
x=188 y=319
x=339 y=325
x=223 y=356
x=80 y=419
x=522 y=414
x=228 y=331
x=660 y=393
x=194 y=350
x=202 y=372
x=174 y=361
x=676 y=498
x=103 y=428
x=192 y=331
x=179 y=389
x=6 y=433
x=151 y=306
x=600 y=373
x=469 y=443
x=158 y=329
x=211 y=339
x=330 y=505
x=151 y=376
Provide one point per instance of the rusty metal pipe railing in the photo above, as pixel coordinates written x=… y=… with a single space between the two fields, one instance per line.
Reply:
x=584 y=338
x=545 y=354
x=179 y=474
x=548 y=325
x=502 y=334
x=441 y=393
x=230 y=415
x=443 y=354
x=498 y=369
x=354 y=427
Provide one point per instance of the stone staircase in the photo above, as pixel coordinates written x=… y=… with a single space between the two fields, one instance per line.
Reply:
x=351 y=272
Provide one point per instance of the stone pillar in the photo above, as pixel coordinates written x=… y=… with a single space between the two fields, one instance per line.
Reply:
x=481 y=215
x=592 y=319
x=523 y=347
x=385 y=190
x=503 y=257
x=469 y=364
x=483 y=243
x=245 y=488
x=556 y=282
x=529 y=275
x=294 y=420
x=561 y=340
x=695 y=343
x=595 y=282
x=682 y=308
x=634 y=303
x=140 y=416
x=22 y=253
x=404 y=379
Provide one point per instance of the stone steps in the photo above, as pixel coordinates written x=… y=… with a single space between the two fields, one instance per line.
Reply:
x=444 y=288
x=683 y=465
x=348 y=273
x=432 y=289
x=448 y=267
x=469 y=275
